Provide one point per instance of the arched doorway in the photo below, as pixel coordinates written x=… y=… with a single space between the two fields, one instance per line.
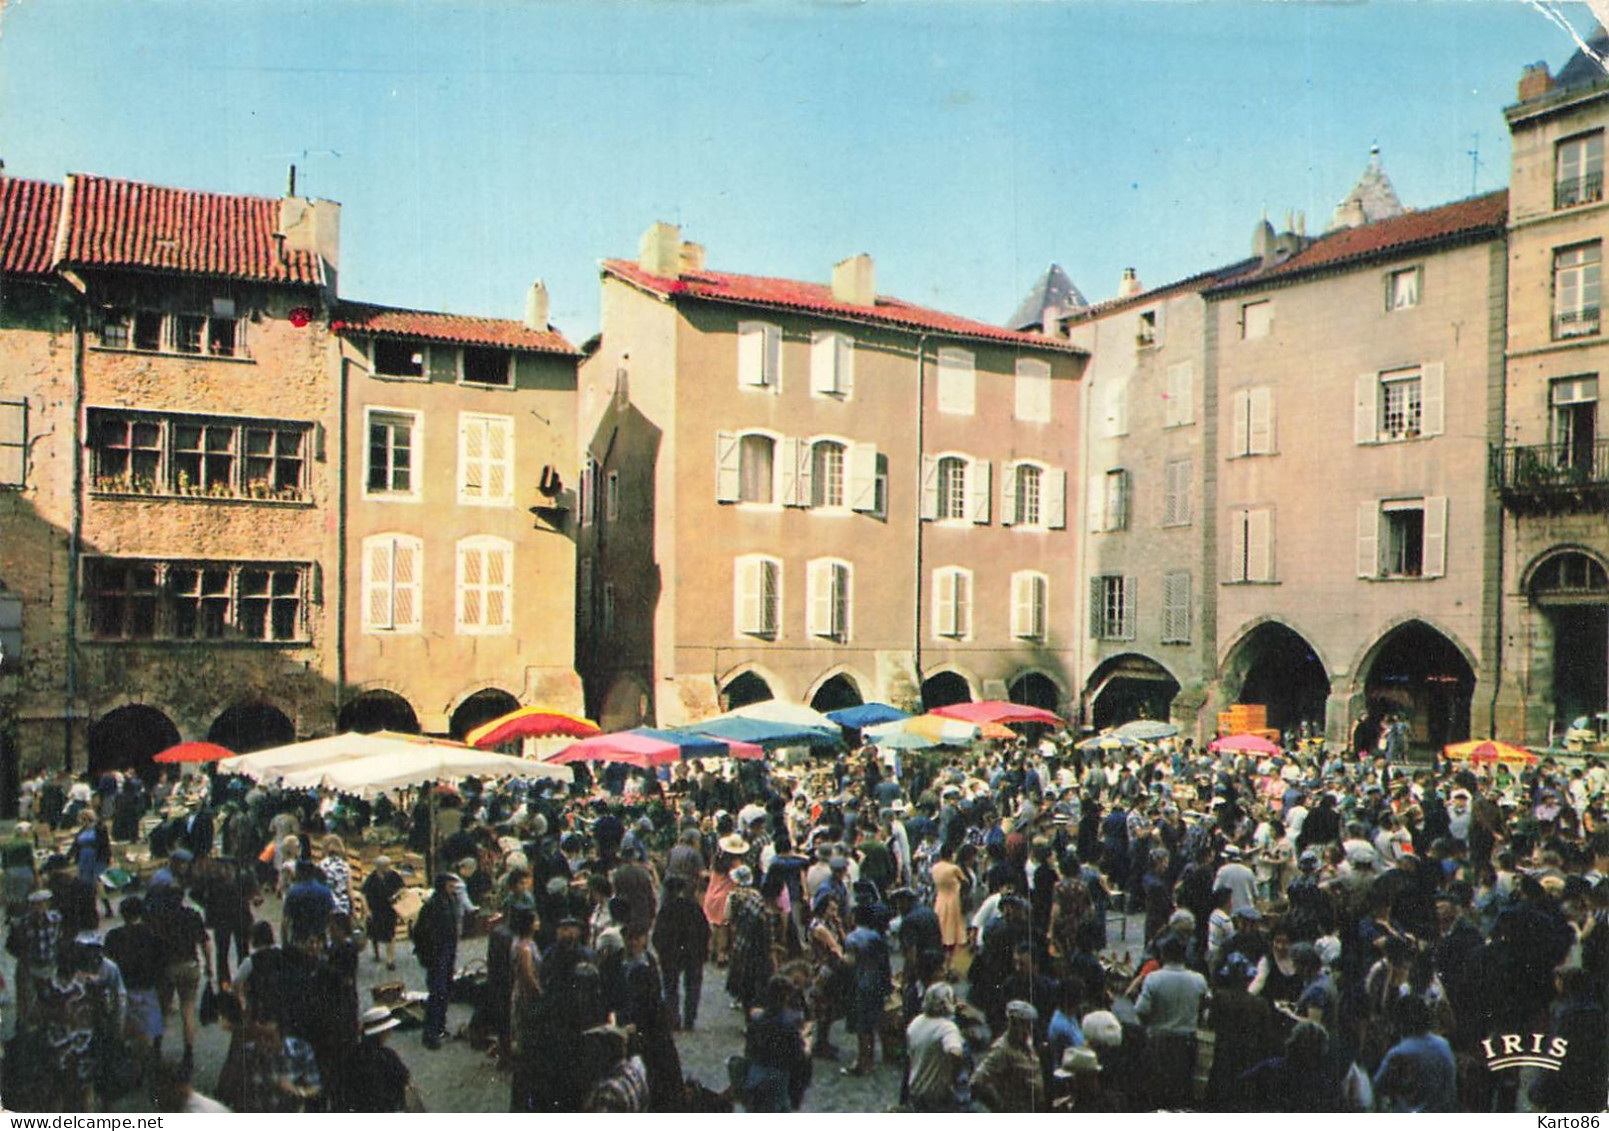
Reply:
x=1274 y=666
x=1129 y=687
x=941 y=689
x=1421 y=676
x=128 y=738
x=1035 y=689
x=378 y=710
x=252 y=726
x=741 y=690
x=836 y=694
x=1571 y=592
x=482 y=707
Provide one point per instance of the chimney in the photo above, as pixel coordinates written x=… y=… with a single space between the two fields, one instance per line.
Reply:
x=692 y=257
x=660 y=253
x=536 y=307
x=1050 y=323
x=1130 y=284
x=1262 y=240
x=312 y=226
x=1535 y=81
x=854 y=281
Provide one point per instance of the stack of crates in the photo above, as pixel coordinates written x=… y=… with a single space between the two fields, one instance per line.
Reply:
x=1244 y=718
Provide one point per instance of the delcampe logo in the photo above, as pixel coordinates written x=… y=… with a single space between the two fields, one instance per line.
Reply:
x=1525 y=1050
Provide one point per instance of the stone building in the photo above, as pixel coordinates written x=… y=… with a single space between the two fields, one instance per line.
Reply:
x=819 y=492
x=1550 y=457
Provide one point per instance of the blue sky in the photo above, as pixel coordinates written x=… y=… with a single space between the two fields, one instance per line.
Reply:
x=966 y=144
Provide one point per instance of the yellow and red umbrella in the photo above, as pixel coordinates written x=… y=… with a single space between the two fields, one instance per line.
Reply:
x=193 y=752
x=1489 y=751
x=531 y=722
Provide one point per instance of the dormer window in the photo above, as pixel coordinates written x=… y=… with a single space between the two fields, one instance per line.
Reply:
x=482 y=366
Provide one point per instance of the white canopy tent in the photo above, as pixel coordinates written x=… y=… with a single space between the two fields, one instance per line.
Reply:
x=277 y=761
x=417 y=765
x=782 y=711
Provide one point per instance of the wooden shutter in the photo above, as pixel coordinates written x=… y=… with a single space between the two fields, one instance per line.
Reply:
x=818 y=582
x=1261 y=434
x=1239 y=423
x=957 y=382
x=1369 y=539
x=930 y=488
x=844 y=362
x=1097 y=504
x=963 y=603
x=1021 y=615
x=1129 y=607
x=1366 y=408
x=443 y=362
x=728 y=468
x=377 y=611
x=978 y=488
x=1176 y=608
x=1433 y=399
x=1117 y=409
x=1053 y=497
x=1096 y=593
x=1237 y=545
x=407 y=581
x=1435 y=546
x=838 y=577
x=823 y=360
x=862 y=476
x=787 y=458
x=944 y=605
x=1260 y=545
x=1181 y=407
x=471 y=457
x=1008 y=494
x=746 y=594
x=754 y=354
x=500 y=457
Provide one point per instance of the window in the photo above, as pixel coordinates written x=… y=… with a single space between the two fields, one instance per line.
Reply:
x=1111 y=607
x=393 y=583
x=1179 y=407
x=583 y=595
x=214 y=332
x=1117 y=409
x=189 y=456
x=1256 y=319
x=952 y=603
x=1110 y=504
x=391 y=358
x=1177 y=491
x=485 y=460
x=1034 y=496
x=957 y=382
x=1573 y=411
x=611 y=496
x=1402 y=289
x=608 y=622
x=485 y=585
x=756 y=468
x=1578 y=170
x=1145 y=335
x=1033 y=391
x=483 y=366
x=392 y=440
x=1176 y=608
x=587 y=492
x=1030 y=593
x=1402 y=538
x=832 y=364
x=759 y=355
x=1252 y=422
x=1577 y=278
x=1400 y=404
x=1251 y=545
x=10 y=631
x=826 y=474
x=829 y=599
x=130 y=599
x=13 y=443
x=955 y=488
x=757 y=599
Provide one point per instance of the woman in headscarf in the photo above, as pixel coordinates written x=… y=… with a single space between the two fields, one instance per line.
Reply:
x=751 y=940
x=832 y=974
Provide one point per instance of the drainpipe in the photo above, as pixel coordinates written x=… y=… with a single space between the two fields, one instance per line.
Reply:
x=340 y=531
x=74 y=539
x=921 y=451
x=1497 y=639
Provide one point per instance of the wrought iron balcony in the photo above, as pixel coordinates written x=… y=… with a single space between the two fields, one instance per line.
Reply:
x=1552 y=477
x=1575 y=323
x=1578 y=190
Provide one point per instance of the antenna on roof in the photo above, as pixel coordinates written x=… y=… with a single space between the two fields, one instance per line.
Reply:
x=290 y=185
x=1474 y=155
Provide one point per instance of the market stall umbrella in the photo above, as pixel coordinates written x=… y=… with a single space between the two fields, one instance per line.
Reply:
x=998 y=711
x=866 y=715
x=902 y=740
x=531 y=722
x=417 y=765
x=1113 y=741
x=995 y=730
x=645 y=748
x=1244 y=744
x=781 y=711
x=1489 y=751
x=276 y=761
x=760 y=732
x=934 y=728
x=1147 y=730
x=194 y=752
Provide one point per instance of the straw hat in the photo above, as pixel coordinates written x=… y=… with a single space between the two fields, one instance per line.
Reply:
x=378 y=1020
x=1077 y=1060
x=734 y=844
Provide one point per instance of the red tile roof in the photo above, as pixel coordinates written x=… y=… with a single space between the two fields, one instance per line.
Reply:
x=817 y=298
x=1478 y=216
x=29 y=211
x=113 y=223
x=389 y=321
x=1194 y=283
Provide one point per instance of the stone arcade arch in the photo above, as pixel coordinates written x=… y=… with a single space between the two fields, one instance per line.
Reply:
x=1418 y=672
x=945 y=687
x=748 y=686
x=1273 y=664
x=378 y=709
x=1127 y=687
x=837 y=692
x=482 y=707
x=128 y=738
x=1036 y=689
x=1569 y=591
x=252 y=726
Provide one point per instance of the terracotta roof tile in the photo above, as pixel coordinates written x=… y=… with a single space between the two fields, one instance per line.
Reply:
x=1479 y=215
x=817 y=298
x=115 y=223
x=29 y=211
x=389 y=321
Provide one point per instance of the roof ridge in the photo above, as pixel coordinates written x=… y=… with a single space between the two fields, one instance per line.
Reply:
x=130 y=182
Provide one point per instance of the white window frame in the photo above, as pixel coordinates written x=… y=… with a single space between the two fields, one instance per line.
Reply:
x=1030 y=605
x=371 y=353
x=1370 y=398
x=1371 y=563
x=1148 y=328
x=953 y=597
x=223 y=310
x=1176 y=611
x=829 y=601
x=1575 y=155
x=1180 y=409
x=1256 y=319
x=390 y=547
x=1178 y=492
x=1251 y=546
x=977 y=485
x=957 y=382
x=14 y=442
x=832 y=365
x=484 y=545
x=1033 y=391
x=1252 y=420
x=416 y=448
x=1403 y=288
x=489 y=425
x=749 y=611
x=759 y=356
x=1578 y=270
x=1110 y=501
x=729 y=469
x=1052 y=499
x=808 y=478
x=1103 y=625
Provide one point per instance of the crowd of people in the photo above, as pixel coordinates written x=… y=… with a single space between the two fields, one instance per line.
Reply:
x=1314 y=931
